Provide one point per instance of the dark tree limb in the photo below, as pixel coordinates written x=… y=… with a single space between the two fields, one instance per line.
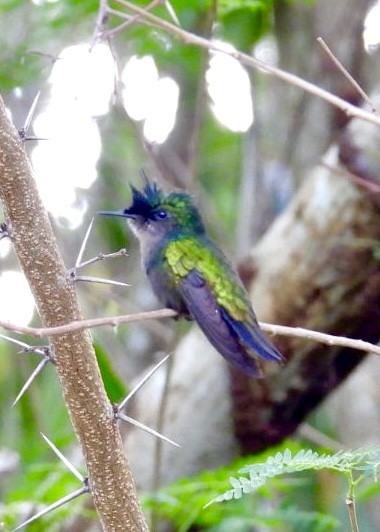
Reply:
x=111 y=483
x=324 y=276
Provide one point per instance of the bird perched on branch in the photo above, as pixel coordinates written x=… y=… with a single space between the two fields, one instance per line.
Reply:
x=191 y=275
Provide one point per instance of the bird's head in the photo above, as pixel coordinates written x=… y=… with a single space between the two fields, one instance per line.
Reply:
x=156 y=214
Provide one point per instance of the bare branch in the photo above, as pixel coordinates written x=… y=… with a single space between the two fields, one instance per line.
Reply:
x=129 y=20
x=80 y=325
x=323 y=338
x=251 y=62
x=281 y=330
x=345 y=72
x=102 y=256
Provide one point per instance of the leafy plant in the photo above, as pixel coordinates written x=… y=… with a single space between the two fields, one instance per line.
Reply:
x=364 y=461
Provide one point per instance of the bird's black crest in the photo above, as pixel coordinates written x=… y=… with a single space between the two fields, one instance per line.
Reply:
x=144 y=202
x=179 y=204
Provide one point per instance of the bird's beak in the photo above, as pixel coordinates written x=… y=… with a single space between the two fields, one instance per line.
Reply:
x=123 y=213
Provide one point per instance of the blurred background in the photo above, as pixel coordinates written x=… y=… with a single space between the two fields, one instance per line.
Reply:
x=114 y=101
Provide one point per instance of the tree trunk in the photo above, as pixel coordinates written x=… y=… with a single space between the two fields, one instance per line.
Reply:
x=110 y=481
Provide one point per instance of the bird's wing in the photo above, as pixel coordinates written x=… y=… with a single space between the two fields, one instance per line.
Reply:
x=253 y=338
x=216 y=299
x=204 y=308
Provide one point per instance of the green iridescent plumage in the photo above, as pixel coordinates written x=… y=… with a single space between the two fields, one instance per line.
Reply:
x=187 y=253
x=191 y=275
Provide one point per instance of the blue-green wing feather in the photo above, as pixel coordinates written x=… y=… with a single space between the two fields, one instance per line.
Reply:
x=204 y=308
x=253 y=338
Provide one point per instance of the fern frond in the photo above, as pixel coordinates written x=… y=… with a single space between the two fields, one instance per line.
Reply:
x=284 y=462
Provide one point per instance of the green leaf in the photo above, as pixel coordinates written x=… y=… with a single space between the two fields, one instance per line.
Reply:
x=114 y=386
x=243 y=23
x=364 y=460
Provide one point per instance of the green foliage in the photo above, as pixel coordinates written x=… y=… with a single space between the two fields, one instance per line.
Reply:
x=284 y=462
x=33 y=34
x=186 y=503
x=244 y=22
x=113 y=384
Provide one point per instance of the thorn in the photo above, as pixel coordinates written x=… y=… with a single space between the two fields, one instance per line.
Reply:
x=24 y=129
x=33 y=375
x=54 y=506
x=87 y=279
x=136 y=423
x=172 y=13
x=31 y=138
x=63 y=459
x=84 y=243
x=142 y=382
x=14 y=341
x=44 y=350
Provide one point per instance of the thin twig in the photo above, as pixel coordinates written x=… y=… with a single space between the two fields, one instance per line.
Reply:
x=351 y=507
x=107 y=34
x=281 y=330
x=100 y=22
x=345 y=72
x=80 y=325
x=190 y=38
x=103 y=256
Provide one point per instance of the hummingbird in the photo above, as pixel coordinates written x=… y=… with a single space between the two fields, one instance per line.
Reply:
x=192 y=276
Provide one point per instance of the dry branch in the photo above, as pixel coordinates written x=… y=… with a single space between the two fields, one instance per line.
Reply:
x=111 y=483
x=115 y=321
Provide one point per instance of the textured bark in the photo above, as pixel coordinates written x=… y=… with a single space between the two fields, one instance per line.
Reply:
x=111 y=483
x=324 y=276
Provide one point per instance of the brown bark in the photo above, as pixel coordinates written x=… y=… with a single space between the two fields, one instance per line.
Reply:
x=324 y=276
x=111 y=483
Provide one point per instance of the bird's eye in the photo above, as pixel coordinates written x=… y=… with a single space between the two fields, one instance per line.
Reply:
x=161 y=215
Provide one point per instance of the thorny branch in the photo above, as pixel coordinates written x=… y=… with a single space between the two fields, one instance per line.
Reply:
x=114 y=321
x=251 y=62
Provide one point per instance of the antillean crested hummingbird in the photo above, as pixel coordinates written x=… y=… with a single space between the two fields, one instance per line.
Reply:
x=191 y=275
